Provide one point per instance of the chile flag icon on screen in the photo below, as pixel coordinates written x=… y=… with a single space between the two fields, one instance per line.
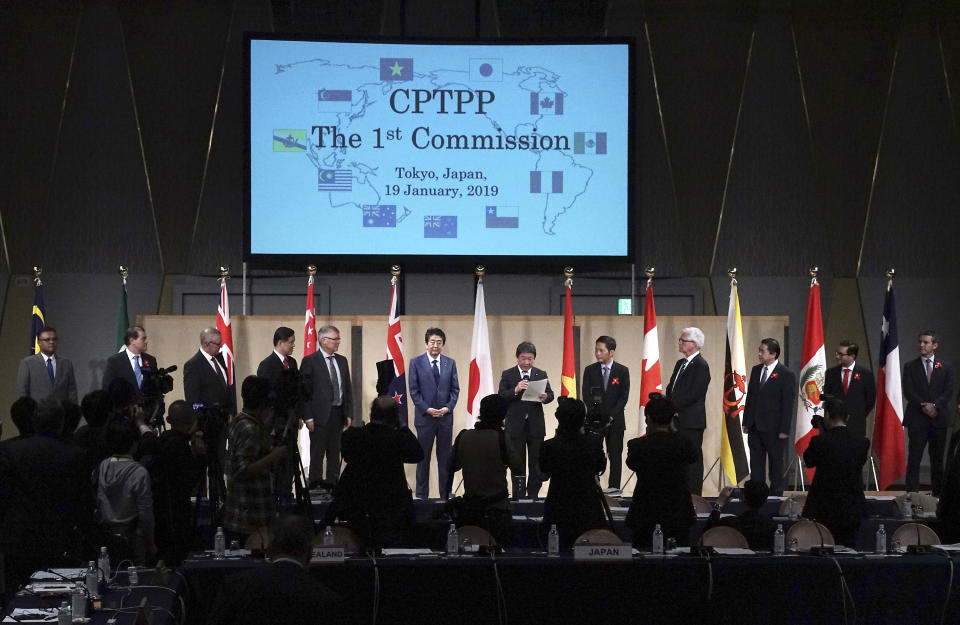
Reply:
x=503 y=217
x=396 y=69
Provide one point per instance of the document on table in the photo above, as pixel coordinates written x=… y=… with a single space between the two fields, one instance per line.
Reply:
x=535 y=388
x=32 y=615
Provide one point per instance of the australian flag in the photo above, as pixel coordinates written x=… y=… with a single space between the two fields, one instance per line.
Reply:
x=440 y=227
x=380 y=216
x=335 y=180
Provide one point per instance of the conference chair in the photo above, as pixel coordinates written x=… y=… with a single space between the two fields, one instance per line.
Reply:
x=258 y=540
x=806 y=533
x=599 y=536
x=915 y=534
x=342 y=537
x=724 y=536
x=476 y=535
x=701 y=505
x=798 y=499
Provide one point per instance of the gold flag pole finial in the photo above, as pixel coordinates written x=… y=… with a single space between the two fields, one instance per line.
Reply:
x=395 y=273
x=650 y=271
x=224 y=272
x=568 y=275
x=479 y=271
x=890 y=273
x=813 y=271
x=123 y=272
x=37 y=273
x=732 y=273
x=311 y=270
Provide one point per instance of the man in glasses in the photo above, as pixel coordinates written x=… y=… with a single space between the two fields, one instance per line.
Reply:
x=328 y=412
x=46 y=374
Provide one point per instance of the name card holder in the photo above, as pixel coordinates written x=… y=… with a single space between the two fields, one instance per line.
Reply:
x=602 y=552
x=327 y=555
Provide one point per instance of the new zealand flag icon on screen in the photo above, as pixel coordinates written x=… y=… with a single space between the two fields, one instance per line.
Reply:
x=440 y=227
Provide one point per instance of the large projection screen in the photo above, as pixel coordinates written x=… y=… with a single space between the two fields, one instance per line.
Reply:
x=476 y=151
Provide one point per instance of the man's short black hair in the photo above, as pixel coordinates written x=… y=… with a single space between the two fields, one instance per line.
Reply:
x=132 y=333
x=180 y=414
x=291 y=535
x=834 y=407
x=95 y=407
x=46 y=329
x=283 y=333
x=255 y=392
x=48 y=418
x=934 y=337
x=852 y=348
x=71 y=417
x=608 y=341
x=755 y=493
x=526 y=347
x=120 y=435
x=773 y=346
x=570 y=414
x=659 y=409
x=383 y=409
x=22 y=412
x=434 y=332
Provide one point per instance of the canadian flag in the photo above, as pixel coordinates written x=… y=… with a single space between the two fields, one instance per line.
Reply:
x=811 y=374
x=226 y=334
x=480 y=383
x=650 y=379
x=309 y=325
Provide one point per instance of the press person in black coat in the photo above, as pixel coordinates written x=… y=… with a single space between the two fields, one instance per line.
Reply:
x=768 y=414
x=853 y=384
x=611 y=381
x=572 y=460
x=836 y=494
x=687 y=390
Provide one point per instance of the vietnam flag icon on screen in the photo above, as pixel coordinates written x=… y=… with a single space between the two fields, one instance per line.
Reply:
x=396 y=69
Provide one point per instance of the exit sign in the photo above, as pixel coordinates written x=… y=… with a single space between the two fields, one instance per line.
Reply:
x=625 y=306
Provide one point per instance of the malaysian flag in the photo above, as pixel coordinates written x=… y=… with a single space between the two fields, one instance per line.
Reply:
x=335 y=180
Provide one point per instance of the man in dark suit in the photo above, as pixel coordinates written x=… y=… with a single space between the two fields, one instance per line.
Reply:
x=434 y=389
x=611 y=382
x=129 y=364
x=836 y=495
x=852 y=384
x=280 y=369
x=768 y=414
x=282 y=590
x=284 y=342
x=329 y=411
x=687 y=391
x=929 y=385
x=205 y=375
x=524 y=421
x=46 y=374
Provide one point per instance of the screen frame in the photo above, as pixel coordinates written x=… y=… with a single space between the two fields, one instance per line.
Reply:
x=515 y=263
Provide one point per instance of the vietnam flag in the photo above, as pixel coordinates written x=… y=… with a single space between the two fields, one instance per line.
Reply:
x=480 y=382
x=888 y=444
x=811 y=374
x=650 y=379
x=568 y=374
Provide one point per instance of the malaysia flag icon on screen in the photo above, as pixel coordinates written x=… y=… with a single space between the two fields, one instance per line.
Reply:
x=543 y=103
x=589 y=143
x=334 y=100
x=486 y=70
x=546 y=182
x=503 y=216
x=440 y=227
x=335 y=180
x=396 y=69
x=380 y=216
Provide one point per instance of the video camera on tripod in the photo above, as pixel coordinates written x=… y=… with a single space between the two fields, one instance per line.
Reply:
x=156 y=383
x=596 y=422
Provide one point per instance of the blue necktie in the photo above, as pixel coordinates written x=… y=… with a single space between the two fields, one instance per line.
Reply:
x=763 y=376
x=436 y=373
x=50 y=368
x=136 y=370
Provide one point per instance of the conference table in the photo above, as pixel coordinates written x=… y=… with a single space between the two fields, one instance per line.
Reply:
x=523 y=586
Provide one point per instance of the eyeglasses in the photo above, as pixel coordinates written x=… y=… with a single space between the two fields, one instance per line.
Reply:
x=330 y=338
x=683 y=340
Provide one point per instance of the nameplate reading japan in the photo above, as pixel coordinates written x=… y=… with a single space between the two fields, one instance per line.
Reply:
x=327 y=555
x=602 y=552
x=439 y=149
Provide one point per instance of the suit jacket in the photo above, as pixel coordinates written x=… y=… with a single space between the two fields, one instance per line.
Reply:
x=837 y=490
x=425 y=393
x=771 y=407
x=203 y=385
x=271 y=367
x=574 y=500
x=689 y=393
x=34 y=381
x=281 y=592
x=518 y=410
x=860 y=397
x=118 y=368
x=614 y=396
x=939 y=390
x=316 y=377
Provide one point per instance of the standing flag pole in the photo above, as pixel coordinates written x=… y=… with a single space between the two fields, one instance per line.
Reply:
x=309 y=324
x=223 y=324
x=811 y=374
x=480 y=382
x=888 y=443
x=650 y=379
x=734 y=452
x=568 y=373
x=39 y=313
x=398 y=385
x=123 y=318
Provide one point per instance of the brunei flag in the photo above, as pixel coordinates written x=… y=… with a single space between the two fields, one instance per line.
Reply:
x=568 y=375
x=734 y=453
x=38 y=315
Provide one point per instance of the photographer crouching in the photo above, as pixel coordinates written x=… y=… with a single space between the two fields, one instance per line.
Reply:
x=250 y=460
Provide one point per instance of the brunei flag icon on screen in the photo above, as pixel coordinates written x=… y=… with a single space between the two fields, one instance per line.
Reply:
x=396 y=69
x=289 y=140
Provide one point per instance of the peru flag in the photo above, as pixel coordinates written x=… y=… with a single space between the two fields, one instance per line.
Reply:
x=650 y=379
x=811 y=375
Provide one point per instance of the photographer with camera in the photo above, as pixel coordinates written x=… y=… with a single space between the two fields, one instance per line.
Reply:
x=606 y=388
x=836 y=494
x=372 y=495
x=251 y=455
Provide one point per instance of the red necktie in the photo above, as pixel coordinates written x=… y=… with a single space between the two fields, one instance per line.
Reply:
x=846 y=380
x=286 y=365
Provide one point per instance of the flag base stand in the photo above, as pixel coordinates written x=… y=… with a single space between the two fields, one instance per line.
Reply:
x=797 y=476
x=873 y=470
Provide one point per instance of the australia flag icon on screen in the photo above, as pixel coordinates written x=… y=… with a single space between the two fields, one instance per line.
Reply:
x=440 y=227
x=380 y=216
